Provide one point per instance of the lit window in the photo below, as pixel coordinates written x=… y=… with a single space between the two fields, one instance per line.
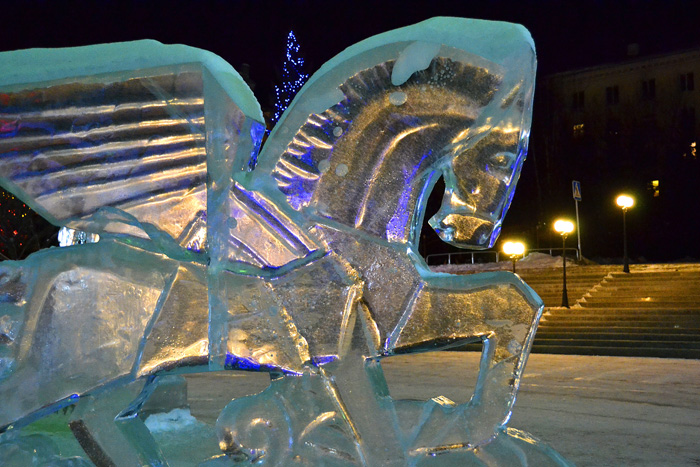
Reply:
x=654 y=187
x=578 y=130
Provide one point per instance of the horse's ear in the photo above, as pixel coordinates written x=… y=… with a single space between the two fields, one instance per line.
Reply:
x=129 y=126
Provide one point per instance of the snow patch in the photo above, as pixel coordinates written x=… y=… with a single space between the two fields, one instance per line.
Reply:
x=176 y=419
x=415 y=57
x=324 y=166
x=320 y=102
x=341 y=170
x=532 y=261
x=398 y=98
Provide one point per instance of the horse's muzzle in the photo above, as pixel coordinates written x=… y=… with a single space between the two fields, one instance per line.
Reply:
x=466 y=231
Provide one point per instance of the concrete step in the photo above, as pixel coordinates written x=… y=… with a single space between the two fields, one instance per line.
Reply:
x=668 y=275
x=631 y=282
x=659 y=324
x=592 y=311
x=620 y=310
x=605 y=348
x=654 y=311
x=617 y=351
x=584 y=329
x=639 y=303
x=635 y=319
x=556 y=301
x=643 y=336
x=658 y=344
x=656 y=284
x=651 y=285
x=558 y=288
x=554 y=276
x=655 y=274
x=661 y=291
x=635 y=333
x=631 y=307
x=665 y=291
x=557 y=281
x=552 y=301
x=554 y=291
x=640 y=336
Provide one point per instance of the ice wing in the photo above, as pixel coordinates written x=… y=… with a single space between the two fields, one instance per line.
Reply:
x=132 y=126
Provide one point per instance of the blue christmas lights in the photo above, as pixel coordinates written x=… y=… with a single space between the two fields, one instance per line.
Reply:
x=293 y=77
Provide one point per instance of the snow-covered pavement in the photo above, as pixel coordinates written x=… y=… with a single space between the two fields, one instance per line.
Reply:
x=596 y=411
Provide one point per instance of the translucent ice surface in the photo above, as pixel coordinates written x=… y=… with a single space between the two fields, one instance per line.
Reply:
x=191 y=249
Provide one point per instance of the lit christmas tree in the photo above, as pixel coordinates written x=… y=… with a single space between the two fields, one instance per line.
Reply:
x=22 y=231
x=293 y=77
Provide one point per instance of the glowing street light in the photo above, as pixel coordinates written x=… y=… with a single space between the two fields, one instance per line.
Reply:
x=625 y=202
x=564 y=228
x=514 y=250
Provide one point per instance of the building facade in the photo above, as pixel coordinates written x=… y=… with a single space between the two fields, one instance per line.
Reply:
x=630 y=126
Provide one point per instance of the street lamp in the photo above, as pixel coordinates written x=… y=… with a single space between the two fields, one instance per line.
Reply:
x=514 y=250
x=625 y=202
x=564 y=228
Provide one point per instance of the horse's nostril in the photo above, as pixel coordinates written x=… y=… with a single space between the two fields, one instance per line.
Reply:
x=464 y=231
x=445 y=231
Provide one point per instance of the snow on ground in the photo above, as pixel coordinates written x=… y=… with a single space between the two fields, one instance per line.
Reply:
x=184 y=440
x=595 y=411
x=176 y=419
x=531 y=261
x=538 y=261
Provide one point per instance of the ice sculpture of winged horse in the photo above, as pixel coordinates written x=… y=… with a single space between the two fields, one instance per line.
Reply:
x=299 y=260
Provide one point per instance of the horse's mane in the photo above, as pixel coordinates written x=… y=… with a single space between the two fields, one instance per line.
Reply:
x=357 y=146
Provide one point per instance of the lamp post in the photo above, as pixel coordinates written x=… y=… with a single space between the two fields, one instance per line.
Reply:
x=564 y=228
x=514 y=250
x=625 y=202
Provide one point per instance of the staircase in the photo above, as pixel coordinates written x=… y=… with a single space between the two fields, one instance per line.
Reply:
x=654 y=311
x=579 y=280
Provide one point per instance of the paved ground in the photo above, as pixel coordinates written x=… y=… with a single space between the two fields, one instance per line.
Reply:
x=596 y=411
x=613 y=410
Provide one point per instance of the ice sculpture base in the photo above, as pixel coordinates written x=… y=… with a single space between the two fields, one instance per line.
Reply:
x=186 y=440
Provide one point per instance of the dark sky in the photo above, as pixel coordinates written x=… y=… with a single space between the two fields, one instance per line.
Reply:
x=567 y=34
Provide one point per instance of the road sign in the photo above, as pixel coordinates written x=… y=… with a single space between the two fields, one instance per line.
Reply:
x=576 y=188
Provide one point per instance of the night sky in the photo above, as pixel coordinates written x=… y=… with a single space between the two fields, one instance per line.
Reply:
x=567 y=34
